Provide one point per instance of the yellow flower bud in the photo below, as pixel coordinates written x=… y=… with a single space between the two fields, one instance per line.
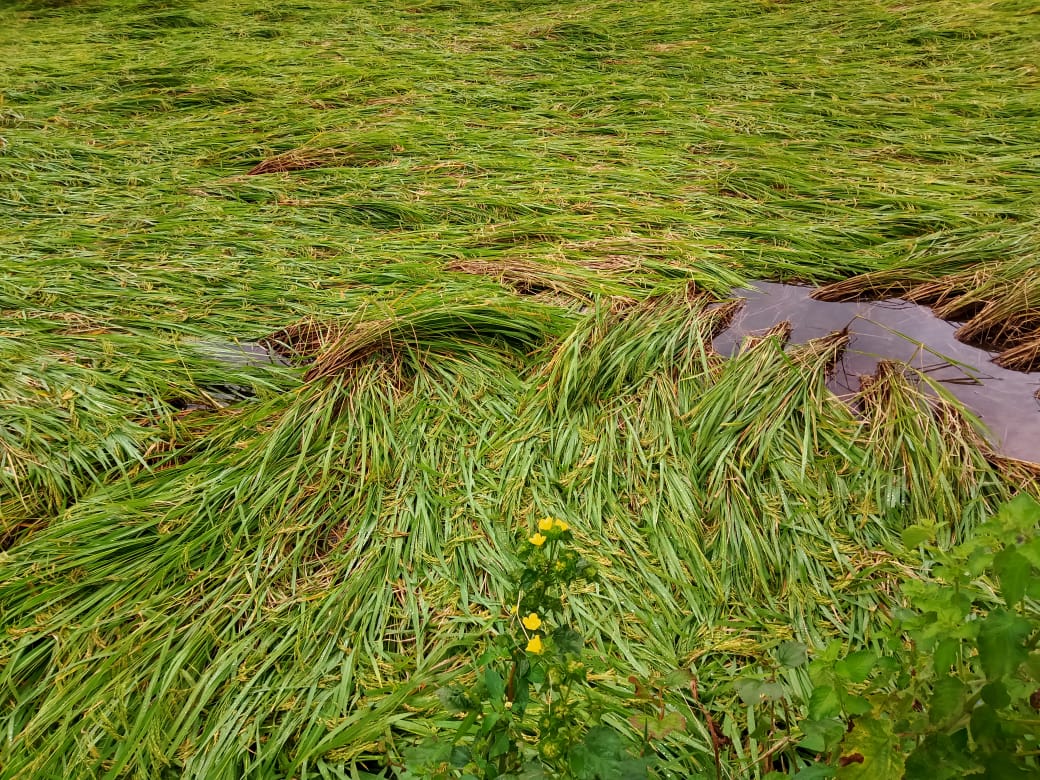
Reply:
x=535 y=645
x=562 y=526
x=545 y=524
x=532 y=622
x=537 y=540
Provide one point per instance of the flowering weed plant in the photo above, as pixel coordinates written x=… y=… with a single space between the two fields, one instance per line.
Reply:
x=533 y=711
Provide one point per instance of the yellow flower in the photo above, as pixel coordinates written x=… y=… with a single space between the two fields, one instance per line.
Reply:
x=562 y=525
x=532 y=622
x=545 y=524
x=537 y=540
x=535 y=645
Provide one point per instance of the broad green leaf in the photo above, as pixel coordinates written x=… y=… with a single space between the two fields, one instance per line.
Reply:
x=1000 y=643
x=871 y=751
x=945 y=656
x=603 y=755
x=772 y=691
x=824 y=703
x=831 y=651
x=748 y=690
x=567 y=640
x=888 y=665
x=1033 y=666
x=948 y=699
x=678 y=678
x=996 y=695
x=816 y=772
x=916 y=535
x=533 y=770
x=792 y=654
x=821 y=735
x=496 y=685
x=856 y=667
x=1013 y=571
x=1022 y=512
x=460 y=755
x=454 y=700
x=429 y=751
x=940 y=757
x=757 y=691
x=500 y=745
x=1031 y=550
x=985 y=725
x=1000 y=765
x=855 y=705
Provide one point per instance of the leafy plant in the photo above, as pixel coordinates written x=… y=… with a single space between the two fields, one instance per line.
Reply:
x=529 y=711
x=951 y=690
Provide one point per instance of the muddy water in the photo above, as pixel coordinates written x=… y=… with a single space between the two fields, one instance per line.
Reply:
x=896 y=330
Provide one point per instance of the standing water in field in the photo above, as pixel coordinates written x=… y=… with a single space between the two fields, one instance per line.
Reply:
x=1005 y=401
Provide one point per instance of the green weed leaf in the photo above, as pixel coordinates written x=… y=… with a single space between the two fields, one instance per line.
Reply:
x=792 y=654
x=603 y=755
x=871 y=752
x=996 y=695
x=941 y=757
x=824 y=703
x=821 y=736
x=816 y=772
x=856 y=667
x=567 y=640
x=658 y=728
x=1013 y=571
x=1001 y=638
x=985 y=725
x=496 y=685
x=916 y=535
x=945 y=655
x=947 y=700
x=1020 y=513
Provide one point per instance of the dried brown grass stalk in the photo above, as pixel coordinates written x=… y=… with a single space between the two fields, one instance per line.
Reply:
x=1022 y=473
x=303 y=159
x=952 y=297
x=781 y=331
x=1022 y=357
x=352 y=347
x=528 y=277
x=302 y=339
x=825 y=352
x=524 y=276
x=865 y=287
x=1003 y=323
x=718 y=318
x=332 y=348
x=295 y=160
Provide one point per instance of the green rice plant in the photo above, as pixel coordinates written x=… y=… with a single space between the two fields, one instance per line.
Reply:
x=930 y=462
x=493 y=243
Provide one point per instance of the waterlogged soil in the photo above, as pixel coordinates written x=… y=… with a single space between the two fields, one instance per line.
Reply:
x=1005 y=401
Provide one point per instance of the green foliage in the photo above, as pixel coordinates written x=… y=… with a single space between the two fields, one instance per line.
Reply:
x=953 y=688
x=531 y=711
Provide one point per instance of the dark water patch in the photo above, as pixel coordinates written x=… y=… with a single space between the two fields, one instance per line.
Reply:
x=234 y=355
x=896 y=330
x=239 y=354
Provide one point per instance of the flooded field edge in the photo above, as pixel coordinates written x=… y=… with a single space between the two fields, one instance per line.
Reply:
x=899 y=331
